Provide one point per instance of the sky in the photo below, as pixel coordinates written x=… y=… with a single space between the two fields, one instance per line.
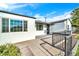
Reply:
x=52 y=11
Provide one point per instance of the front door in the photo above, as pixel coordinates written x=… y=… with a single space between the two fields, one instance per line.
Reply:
x=47 y=28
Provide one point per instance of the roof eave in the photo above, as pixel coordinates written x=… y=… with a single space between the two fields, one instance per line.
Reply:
x=16 y=14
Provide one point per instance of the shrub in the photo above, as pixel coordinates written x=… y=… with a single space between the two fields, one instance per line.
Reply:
x=77 y=52
x=9 y=50
x=77 y=36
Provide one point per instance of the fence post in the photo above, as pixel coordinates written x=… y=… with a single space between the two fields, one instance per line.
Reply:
x=68 y=44
x=52 y=40
x=65 y=47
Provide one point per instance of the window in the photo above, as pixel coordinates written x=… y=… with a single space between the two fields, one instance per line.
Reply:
x=25 y=25
x=5 y=25
x=15 y=25
x=39 y=26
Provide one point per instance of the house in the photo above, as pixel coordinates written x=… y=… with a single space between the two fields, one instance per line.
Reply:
x=16 y=28
x=61 y=25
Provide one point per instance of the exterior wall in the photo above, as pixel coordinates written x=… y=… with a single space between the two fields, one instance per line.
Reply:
x=57 y=27
x=13 y=37
x=41 y=32
x=68 y=25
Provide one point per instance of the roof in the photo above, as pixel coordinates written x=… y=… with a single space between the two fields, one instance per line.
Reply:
x=16 y=14
x=57 y=21
x=39 y=21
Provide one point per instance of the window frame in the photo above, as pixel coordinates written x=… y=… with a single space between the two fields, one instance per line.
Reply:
x=38 y=28
x=5 y=25
x=15 y=24
x=9 y=25
x=25 y=26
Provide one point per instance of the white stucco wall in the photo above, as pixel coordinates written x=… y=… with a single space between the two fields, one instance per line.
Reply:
x=62 y=26
x=41 y=32
x=13 y=37
x=57 y=27
x=68 y=24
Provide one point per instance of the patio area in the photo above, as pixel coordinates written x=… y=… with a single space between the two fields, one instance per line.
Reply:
x=37 y=47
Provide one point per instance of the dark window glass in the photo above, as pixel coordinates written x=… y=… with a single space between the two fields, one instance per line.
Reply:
x=5 y=25
x=25 y=25
x=15 y=25
x=39 y=26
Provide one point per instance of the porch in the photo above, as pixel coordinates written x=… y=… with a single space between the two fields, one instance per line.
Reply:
x=42 y=46
x=33 y=48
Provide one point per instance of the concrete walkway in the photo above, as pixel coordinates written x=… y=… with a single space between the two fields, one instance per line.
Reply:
x=33 y=48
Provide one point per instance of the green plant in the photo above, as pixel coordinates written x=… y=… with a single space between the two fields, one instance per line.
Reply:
x=77 y=52
x=75 y=17
x=77 y=36
x=9 y=50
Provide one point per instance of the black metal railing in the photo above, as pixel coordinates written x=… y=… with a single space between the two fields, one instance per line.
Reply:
x=61 y=40
x=65 y=41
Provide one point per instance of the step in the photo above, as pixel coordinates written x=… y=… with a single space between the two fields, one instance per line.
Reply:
x=37 y=51
x=44 y=51
x=52 y=50
x=25 y=51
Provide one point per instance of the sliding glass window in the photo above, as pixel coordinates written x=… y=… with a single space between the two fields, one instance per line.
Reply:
x=15 y=25
x=5 y=25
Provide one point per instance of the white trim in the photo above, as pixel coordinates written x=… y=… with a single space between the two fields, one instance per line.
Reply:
x=9 y=24
x=1 y=24
x=22 y=26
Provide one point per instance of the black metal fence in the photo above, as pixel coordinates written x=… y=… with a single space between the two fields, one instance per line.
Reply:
x=64 y=41
x=60 y=40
